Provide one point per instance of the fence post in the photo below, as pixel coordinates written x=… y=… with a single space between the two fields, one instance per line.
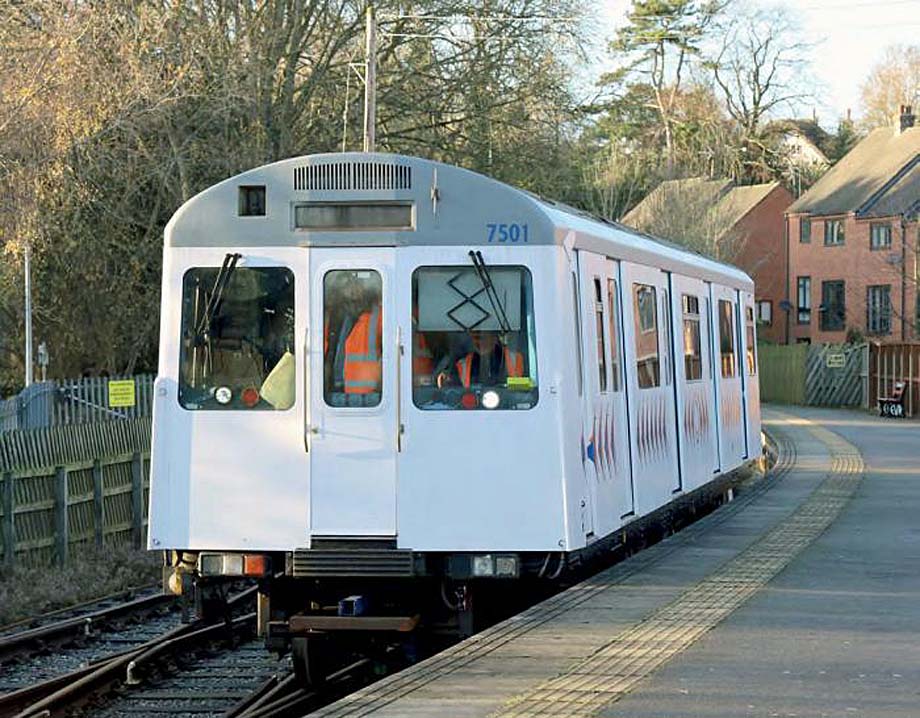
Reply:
x=137 y=499
x=9 y=527
x=61 y=527
x=98 y=505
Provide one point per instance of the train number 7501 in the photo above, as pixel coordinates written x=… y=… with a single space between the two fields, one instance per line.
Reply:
x=503 y=233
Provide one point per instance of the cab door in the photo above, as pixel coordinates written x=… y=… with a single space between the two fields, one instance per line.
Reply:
x=350 y=430
x=650 y=368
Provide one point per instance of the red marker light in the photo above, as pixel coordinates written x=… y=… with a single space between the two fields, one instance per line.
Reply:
x=468 y=401
x=250 y=396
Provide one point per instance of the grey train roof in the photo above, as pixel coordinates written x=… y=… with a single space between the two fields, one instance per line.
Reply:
x=453 y=206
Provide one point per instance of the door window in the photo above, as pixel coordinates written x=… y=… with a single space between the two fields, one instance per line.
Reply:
x=645 y=303
x=352 y=338
x=693 y=357
x=614 y=341
x=727 y=338
x=599 y=329
x=473 y=347
x=237 y=348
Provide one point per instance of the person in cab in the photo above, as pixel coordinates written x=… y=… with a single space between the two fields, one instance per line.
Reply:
x=490 y=363
x=353 y=341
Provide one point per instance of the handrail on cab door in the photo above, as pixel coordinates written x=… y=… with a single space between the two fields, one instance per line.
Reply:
x=399 y=360
x=307 y=428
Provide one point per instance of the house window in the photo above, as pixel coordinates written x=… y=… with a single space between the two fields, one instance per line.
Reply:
x=833 y=232
x=878 y=309
x=804 y=300
x=805 y=230
x=765 y=312
x=880 y=235
x=833 y=305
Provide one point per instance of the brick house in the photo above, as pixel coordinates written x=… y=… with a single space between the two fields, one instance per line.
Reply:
x=853 y=243
x=746 y=224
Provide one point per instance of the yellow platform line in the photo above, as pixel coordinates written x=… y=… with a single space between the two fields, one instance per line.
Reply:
x=617 y=667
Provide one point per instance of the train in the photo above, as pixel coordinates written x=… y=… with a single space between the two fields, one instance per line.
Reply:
x=387 y=384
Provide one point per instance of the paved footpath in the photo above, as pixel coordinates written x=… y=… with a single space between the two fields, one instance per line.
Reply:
x=800 y=599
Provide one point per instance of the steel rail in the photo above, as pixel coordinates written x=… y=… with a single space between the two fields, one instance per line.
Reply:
x=19 y=642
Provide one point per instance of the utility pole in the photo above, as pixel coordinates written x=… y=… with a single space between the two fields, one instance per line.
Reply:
x=28 y=311
x=370 y=83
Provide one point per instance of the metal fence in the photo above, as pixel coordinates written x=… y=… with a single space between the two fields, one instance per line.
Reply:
x=76 y=401
x=66 y=486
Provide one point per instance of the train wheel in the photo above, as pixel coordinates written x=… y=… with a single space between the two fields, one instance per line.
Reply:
x=309 y=658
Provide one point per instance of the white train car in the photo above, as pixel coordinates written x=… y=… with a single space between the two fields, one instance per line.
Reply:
x=380 y=367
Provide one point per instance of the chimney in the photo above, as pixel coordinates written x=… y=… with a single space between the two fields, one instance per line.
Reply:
x=906 y=119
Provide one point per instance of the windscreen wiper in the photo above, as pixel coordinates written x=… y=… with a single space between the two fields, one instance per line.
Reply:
x=491 y=293
x=216 y=295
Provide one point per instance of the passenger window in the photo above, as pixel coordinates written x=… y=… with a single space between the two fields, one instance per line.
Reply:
x=751 y=347
x=693 y=359
x=599 y=330
x=473 y=348
x=646 y=323
x=237 y=345
x=352 y=338
x=614 y=340
x=727 y=338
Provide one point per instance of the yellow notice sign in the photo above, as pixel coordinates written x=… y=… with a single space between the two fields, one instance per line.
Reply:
x=121 y=393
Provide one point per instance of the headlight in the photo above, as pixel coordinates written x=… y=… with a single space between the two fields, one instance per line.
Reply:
x=507 y=566
x=483 y=566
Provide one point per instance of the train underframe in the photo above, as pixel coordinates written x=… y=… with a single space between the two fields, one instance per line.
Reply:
x=345 y=598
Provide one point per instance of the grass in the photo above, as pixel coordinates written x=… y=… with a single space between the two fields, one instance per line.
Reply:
x=91 y=573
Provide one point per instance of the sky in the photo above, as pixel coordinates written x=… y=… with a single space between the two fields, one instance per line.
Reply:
x=850 y=37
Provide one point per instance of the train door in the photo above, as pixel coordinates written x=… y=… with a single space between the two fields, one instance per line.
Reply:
x=752 y=376
x=604 y=417
x=696 y=405
x=351 y=431
x=728 y=377
x=650 y=372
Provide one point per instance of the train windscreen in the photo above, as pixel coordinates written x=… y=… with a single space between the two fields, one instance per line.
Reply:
x=473 y=340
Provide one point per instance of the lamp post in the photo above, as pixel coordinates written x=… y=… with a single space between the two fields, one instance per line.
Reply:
x=27 y=269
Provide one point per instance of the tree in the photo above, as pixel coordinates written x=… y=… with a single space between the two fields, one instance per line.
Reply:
x=893 y=82
x=658 y=42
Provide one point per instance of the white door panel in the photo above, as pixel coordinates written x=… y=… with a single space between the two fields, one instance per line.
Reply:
x=732 y=430
x=649 y=362
x=604 y=416
x=696 y=404
x=752 y=375
x=352 y=441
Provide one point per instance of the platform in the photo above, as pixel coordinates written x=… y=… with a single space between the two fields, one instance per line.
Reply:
x=801 y=598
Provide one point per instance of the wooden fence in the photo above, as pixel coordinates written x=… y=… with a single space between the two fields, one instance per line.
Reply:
x=782 y=373
x=70 y=486
x=78 y=401
x=816 y=375
x=889 y=363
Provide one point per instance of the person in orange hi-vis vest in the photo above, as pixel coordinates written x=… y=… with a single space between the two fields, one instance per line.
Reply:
x=356 y=342
x=490 y=363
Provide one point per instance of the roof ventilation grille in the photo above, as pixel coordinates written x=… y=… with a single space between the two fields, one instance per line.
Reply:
x=353 y=176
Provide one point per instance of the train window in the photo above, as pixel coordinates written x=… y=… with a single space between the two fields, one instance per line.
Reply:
x=352 y=338
x=751 y=350
x=599 y=331
x=646 y=322
x=693 y=358
x=614 y=341
x=727 y=338
x=473 y=347
x=237 y=346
